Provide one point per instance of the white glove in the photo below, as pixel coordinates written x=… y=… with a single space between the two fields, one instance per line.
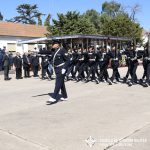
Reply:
x=63 y=71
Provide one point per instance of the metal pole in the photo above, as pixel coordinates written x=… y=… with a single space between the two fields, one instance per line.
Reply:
x=87 y=43
x=71 y=43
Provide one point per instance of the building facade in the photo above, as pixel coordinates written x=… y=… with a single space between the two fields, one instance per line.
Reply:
x=12 y=33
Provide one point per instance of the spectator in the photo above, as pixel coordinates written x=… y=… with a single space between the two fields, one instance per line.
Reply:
x=6 y=64
x=18 y=66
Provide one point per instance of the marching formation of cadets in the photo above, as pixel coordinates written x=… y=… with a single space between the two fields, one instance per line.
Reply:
x=85 y=65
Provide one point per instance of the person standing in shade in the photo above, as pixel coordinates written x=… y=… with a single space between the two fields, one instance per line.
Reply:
x=60 y=64
x=26 y=65
x=6 y=64
x=18 y=66
x=35 y=64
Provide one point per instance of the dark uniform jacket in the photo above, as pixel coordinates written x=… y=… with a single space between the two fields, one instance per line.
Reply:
x=26 y=61
x=115 y=56
x=18 y=62
x=91 y=58
x=60 y=59
x=35 y=61
x=133 y=56
x=6 y=61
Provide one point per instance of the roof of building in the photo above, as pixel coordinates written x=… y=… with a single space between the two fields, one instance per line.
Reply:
x=76 y=36
x=21 y=30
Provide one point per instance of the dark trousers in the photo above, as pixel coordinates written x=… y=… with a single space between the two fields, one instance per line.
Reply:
x=115 y=74
x=18 y=73
x=92 y=71
x=60 y=85
x=26 y=71
x=103 y=72
x=77 y=67
x=44 y=70
x=70 y=70
x=128 y=72
x=133 y=69
x=35 y=70
x=82 y=69
x=148 y=73
x=6 y=72
x=1 y=66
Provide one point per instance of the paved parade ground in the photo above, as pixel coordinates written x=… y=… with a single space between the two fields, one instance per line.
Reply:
x=95 y=116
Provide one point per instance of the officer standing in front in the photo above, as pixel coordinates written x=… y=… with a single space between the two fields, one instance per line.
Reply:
x=60 y=64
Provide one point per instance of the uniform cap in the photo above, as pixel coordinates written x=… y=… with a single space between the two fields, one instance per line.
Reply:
x=55 y=42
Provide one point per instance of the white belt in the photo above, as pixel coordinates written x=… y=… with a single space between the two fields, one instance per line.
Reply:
x=60 y=65
x=115 y=59
x=91 y=59
x=101 y=59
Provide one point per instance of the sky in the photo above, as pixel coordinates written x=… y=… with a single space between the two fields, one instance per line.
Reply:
x=8 y=7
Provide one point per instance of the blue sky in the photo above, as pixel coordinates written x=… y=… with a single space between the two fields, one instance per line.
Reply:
x=8 y=7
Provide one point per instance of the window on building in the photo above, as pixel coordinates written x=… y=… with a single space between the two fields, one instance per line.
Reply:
x=31 y=47
x=11 y=47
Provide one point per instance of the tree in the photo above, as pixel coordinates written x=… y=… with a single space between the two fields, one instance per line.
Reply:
x=47 y=21
x=28 y=14
x=94 y=18
x=1 y=16
x=72 y=23
x=122 y=26
x=111 y=8
x=39 y=20
x=48 y=25
x=134 y=10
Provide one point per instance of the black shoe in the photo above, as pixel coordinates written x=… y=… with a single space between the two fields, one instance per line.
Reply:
x=145 y=84
x=124 y=80
x=97 y=81
x=130 y=84
x=86 y=80
x=109 y=81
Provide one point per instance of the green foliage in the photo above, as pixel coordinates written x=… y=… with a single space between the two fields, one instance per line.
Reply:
x=48 y=25
x=94 y=18
x=28 y=14
x=72 y=23
x=47 y=20
x=121 y=26
x=111 y=8
x=1 y=16
x=39 y=20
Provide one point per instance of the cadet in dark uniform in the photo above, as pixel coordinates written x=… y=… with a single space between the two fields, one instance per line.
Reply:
x=133 y=56
x=115 y=57
x=92 y=65
x=18 y=65
x=70 y=66
x=127 y=59
x=81 y=65
x=146 y=66
x=103 y=62
x=6 y=64
x=60 y=64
